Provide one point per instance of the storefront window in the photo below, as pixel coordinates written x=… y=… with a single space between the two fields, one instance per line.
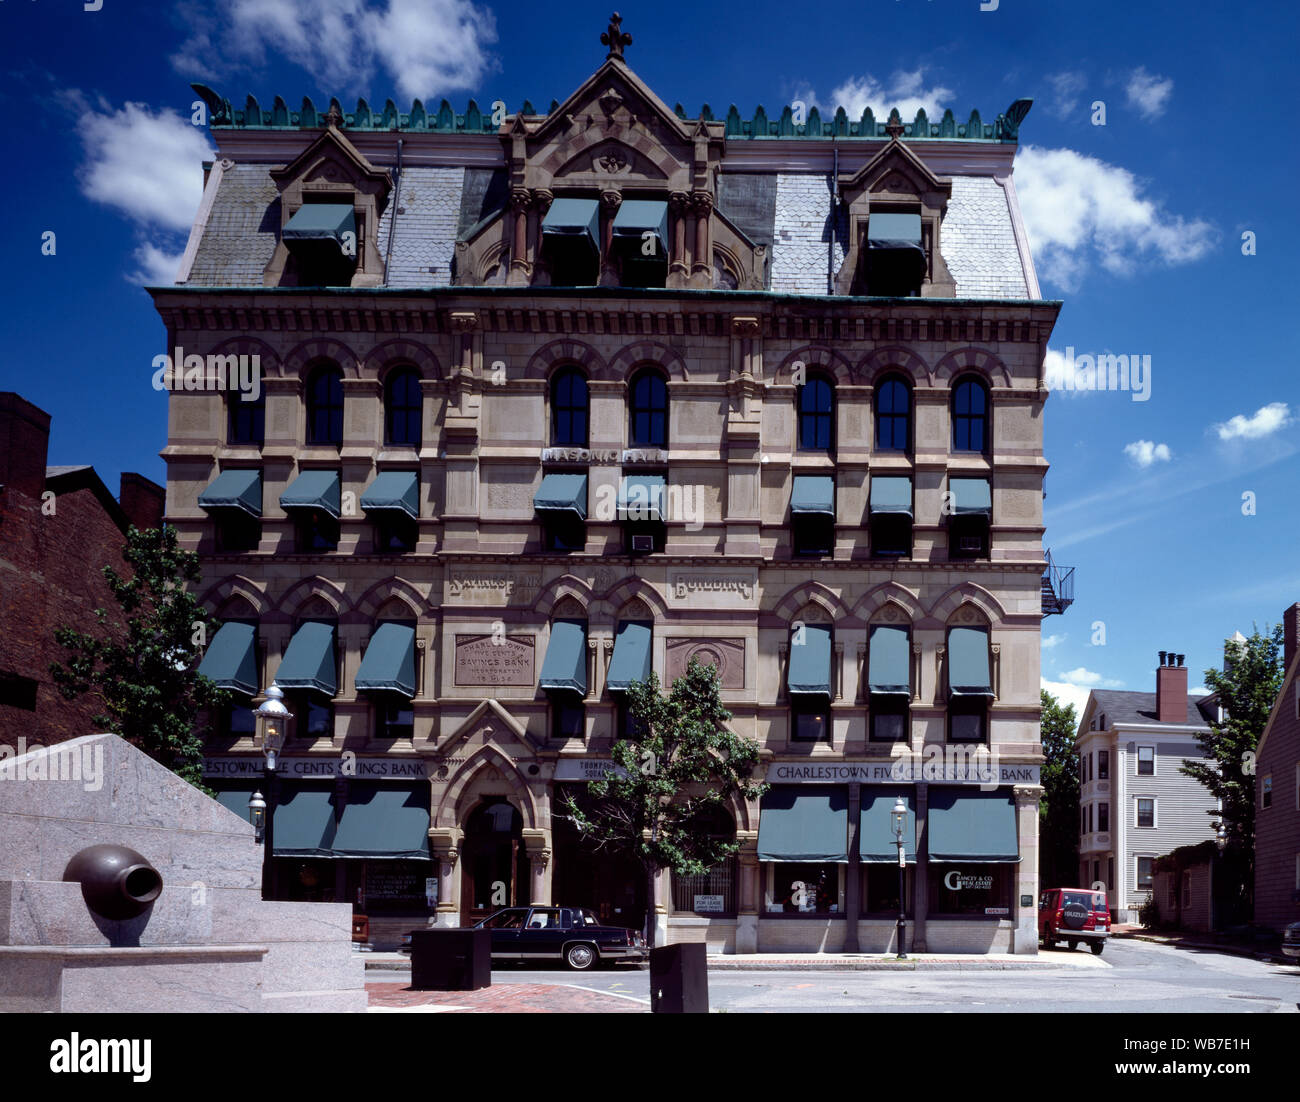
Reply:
x=983 y=890
x=712 y=894
x=880 y=889
x=803 y=889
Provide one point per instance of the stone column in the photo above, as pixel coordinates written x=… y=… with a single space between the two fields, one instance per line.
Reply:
x=520 y=267
x=921 y=885
x=702 y=261
x=542 y=199
x=610 y=201
x=663 y=890
x=749 y=894
x=679 y=270
x=853 y=877
x=537 y=844
x=1024 y=939
x=444 y=848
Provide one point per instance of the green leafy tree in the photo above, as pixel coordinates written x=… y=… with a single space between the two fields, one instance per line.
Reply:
x=679 y=765
x=143 y=664
x=1247 y=687
x=1058 y=852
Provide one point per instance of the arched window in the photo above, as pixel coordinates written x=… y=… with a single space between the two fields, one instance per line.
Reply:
x=569 y=408
x=816 y=414
x=325 y=406
x=402 y=408
x=970 y=416
x=893 y=416
x=247 y=423
x=648 y=427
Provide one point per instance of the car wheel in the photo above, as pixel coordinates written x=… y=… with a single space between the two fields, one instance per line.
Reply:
x=1073 y=945
x=1097 y=947
x=580 y=957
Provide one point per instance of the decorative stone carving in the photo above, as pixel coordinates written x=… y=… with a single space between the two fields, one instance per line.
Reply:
x=615 y=38
x=727 y=656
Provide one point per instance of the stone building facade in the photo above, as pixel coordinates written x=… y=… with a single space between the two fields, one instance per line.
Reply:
x=593 y=391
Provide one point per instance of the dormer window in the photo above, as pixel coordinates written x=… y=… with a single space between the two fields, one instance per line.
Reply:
x=571 y=242
x=324 y=240
x=894 y=261
x=639 y=241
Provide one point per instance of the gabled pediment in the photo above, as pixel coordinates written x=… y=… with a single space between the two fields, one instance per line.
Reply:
x=332 y=158
x=895 y=170
x=490 y=724
x=614 y=93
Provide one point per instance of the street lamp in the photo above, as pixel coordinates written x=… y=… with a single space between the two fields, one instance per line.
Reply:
x=899 y=815
x=257 y=816
x=273 y=720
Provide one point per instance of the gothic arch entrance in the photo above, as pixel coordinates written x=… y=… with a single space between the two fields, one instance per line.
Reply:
x=493 y=861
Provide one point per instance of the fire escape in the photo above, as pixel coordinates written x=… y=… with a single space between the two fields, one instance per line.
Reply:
x=1058 y=588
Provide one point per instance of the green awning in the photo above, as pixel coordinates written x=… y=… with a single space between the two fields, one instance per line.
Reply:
x=971 y=496
x=309 y=661
x=393 y=491
x=631 y=660
x=804 y=823
x=383 y=820
x=304 y=824
x=894 y=231
x=968 y=662
x=889 y=661
x=573 y=218
x=966 y=824
x=564 y=669
x=234 y=490
x=320 y=222
x=389 y=662
x=876 y=844
x=641 y=497
x=813 y=493
x=313 y=490
x=562 y=493
x=231 y=658
x=636 y=217
x=235 y=797
x=810 y=661
x=891 y=494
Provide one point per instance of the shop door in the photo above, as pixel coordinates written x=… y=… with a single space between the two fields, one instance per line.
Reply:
x=495 y=865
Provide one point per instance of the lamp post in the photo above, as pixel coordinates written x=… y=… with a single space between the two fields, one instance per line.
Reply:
x=257 y=816
x=899 y=815
x=272 y=724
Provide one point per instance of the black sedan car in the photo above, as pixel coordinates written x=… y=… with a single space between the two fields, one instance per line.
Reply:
x=573 y=935
x=1291 y=940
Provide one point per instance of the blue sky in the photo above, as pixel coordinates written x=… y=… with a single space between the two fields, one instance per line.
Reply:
x=1137 y=224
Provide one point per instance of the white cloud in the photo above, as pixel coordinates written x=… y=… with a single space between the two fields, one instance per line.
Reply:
x=1145 y=452
x=1263 y=422
x=147 y=165
x=427 y=47
x=1067 y=694
x=1149 y=93
x=1050 y=641
x=1079 y=210
x=905 y=90
x=155 y=266
x=1066 y=88
x=1088 y=679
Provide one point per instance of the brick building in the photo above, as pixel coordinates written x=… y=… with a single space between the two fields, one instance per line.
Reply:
x=59 y=526
x=548 y=403
x=1277 y=791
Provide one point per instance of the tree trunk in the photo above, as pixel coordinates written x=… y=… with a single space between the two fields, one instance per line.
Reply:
x=650 y=906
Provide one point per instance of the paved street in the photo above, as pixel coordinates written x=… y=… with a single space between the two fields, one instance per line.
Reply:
x=1141 y=978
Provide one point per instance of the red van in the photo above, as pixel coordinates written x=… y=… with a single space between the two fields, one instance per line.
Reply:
x=1073 y=915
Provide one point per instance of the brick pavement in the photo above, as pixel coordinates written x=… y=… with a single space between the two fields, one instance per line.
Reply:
x=502 y=998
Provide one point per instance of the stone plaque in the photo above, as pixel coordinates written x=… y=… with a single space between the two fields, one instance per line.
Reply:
x=711 y=588
x=728 y=655
x=480 y=661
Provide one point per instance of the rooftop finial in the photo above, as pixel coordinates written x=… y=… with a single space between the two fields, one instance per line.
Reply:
x=894 y=127
x=614 y=38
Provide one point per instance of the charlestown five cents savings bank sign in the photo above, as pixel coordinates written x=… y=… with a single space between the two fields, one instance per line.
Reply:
x=904 y=771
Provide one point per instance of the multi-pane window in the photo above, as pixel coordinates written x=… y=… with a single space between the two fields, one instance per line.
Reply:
x=1145 y=866
x=1146 y=812
x=1103 y=817
x=648 y=427
x=816 y=414
x=325 y=406
x=970 y=406
x=569 y=409
x=402 y=408
x=893 y=416
x=247 y=423
x=1103 y=765
x=811 y=719
x=1146 y=761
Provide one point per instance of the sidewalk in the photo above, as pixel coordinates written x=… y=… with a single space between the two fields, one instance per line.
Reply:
x=502 y=998
x=378 y=963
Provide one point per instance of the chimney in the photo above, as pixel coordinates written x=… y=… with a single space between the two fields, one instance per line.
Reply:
x=24 y=445
x=1171 y=689
x=1290 y=634
x=142 y=500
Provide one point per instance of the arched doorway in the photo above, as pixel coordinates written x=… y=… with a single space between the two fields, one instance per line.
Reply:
x=493 y=860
